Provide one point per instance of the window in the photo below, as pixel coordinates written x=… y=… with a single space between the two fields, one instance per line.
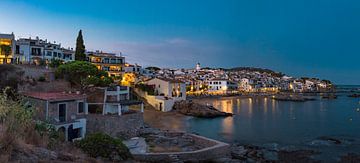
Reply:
x=81 y=107
x=62 y=112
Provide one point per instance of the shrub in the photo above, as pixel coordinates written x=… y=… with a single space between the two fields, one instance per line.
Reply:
x=15 y=119
x=41 y=79
x=103 y=145
x=47 y=130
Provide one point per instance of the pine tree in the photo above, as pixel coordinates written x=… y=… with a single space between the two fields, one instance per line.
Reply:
x=80 y=48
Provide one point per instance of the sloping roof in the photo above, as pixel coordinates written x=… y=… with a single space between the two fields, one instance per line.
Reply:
x=171 y=80
x=54 y=96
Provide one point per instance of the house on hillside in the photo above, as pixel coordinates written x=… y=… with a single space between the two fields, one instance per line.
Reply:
x=34 y=51
x=109 y=62
x=7 y=48
x=112 y=101
x=114 y=111
x=66 y=111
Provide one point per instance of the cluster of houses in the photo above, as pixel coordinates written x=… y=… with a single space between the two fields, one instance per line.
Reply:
x=31 y=50
x=223 y=81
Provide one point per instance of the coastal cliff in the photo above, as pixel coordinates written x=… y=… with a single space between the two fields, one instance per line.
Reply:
x=190 y=108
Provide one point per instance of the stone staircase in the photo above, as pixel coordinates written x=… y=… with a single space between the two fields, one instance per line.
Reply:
x=175 y=159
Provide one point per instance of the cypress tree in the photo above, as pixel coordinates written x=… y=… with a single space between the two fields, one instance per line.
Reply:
x=80 y=48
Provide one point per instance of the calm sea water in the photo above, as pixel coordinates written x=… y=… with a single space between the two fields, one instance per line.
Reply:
x=286 y=125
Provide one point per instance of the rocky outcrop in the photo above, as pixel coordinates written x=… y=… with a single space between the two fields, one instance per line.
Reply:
x=190 y=108
x=249 y=153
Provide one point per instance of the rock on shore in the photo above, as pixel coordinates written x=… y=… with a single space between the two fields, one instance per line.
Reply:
x=190 y=108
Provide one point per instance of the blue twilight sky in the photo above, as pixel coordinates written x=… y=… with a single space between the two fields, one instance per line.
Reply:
x=316 y=38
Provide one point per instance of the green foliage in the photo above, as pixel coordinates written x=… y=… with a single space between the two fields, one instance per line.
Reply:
x=47 y=130
x=154 y=69
x=55 y=62
x=83 y=74
x=103 y=145
x=146 y=88
x=15 y=119
x=80 y=48
x=41 y=79
x=42 y=62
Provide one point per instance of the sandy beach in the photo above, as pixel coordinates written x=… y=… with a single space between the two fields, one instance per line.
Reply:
x=164 y=120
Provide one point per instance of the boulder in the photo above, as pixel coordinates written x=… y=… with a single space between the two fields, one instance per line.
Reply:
x=190 y=108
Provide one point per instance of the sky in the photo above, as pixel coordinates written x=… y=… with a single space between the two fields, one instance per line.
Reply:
x=314 y=38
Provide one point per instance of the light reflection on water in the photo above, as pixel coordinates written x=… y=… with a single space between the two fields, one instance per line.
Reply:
x=264 y=120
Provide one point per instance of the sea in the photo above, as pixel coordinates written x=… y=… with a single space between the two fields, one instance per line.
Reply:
x=328 y=126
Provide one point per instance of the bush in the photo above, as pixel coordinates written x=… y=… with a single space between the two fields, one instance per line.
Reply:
x=47 y=130
x=103 y=145
x=41 y=79
x=16 y=121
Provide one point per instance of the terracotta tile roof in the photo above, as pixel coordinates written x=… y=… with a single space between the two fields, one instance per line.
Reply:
x=54 y=96
x=171 y=80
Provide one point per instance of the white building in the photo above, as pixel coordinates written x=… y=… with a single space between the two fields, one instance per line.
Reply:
x=309 y=85
x=246 y=84
x=221 y=85
x=198 y=68
x=167 y=92
x=297 y=86
x=133 y=68
x=34 y=51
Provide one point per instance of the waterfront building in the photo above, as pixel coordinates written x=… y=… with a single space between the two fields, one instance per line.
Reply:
x=109 y=62
x=7 y=48
x=297 y=86
x=221 y=86
x=246 y=85
x=166 y=93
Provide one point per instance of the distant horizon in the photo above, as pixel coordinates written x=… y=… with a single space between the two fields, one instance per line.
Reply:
x=305 y=38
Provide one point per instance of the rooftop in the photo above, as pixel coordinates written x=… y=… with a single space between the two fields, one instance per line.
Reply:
x=111 y=55
x=54 y=96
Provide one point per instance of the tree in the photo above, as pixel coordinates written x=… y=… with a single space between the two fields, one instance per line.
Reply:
x=5 y=50
x=80 y=48
x=83 y=74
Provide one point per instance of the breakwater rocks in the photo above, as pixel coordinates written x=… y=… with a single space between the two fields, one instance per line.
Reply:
x=249 y=153
x=190 y=108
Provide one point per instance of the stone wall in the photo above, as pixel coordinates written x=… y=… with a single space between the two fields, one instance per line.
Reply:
x=213 y=149
x=125 y=126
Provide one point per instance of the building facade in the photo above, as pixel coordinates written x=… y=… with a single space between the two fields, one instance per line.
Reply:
x=111 y=63
x=66 y=111
x=7 y=48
